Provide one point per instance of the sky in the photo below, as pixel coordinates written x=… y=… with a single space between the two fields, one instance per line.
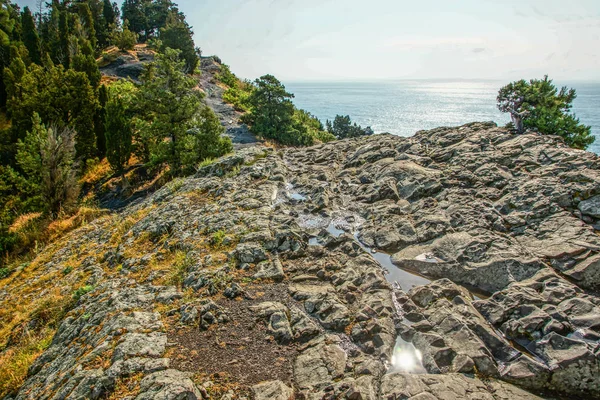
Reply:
x=312 y=40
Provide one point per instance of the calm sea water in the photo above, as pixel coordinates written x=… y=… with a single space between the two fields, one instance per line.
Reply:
x=404 y=107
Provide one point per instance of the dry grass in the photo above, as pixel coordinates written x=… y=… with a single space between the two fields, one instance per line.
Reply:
x=96 y=172
x=26 y=331
x=84 y=215
x=21 y=223
x=127 y=387
x=15 y=362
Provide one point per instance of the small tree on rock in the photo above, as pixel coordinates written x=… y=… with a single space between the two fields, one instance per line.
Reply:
x=538 y=105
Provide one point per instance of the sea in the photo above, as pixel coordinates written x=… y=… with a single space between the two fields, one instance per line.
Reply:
x=407 y=106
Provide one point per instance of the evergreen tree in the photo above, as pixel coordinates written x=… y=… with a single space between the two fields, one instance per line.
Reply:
x=118 y=133
x=209 y=137
x=108 y=12
x=134 y=11
x=59 y=96
x=7 y=25
x=63 y=40
x=99 y=121
x=84 y=61
x=87 y=20
x=177 y=34
x=538 y=105
x=31 y=39
x=169 y=95
x=107 y=24
x=124 y=39
x=272 y=109
x=46 y=157
x=343 y=128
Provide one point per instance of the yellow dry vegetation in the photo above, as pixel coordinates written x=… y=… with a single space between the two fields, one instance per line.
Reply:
x=96 y=172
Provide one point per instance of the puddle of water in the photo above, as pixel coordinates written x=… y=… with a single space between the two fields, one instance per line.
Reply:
x=334 y=230
x=405 y=279
x=406 y=358
x=294 y=194
x=297 y=196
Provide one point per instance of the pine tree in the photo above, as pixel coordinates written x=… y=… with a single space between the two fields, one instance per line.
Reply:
x=46 y=157
x=84 y=61
x=134 y=11
x=272 y=110
x=99 y=121
x=59 y=96
x=177 y=34
x=88 y=23
x=118 y=133
x=63 y=55
x=31 y=39
x=210 y=140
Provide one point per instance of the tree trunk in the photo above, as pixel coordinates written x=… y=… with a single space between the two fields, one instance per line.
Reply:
x=517 y=121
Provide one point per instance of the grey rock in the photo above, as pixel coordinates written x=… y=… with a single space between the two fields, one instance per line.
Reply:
x=590 y=207
x=273 y=390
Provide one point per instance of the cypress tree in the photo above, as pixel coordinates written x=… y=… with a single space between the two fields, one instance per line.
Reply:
x=63 y=35
x=31 y=39
x=118 y=134
x=99 y=121
x=108 y=12
x=88 y=22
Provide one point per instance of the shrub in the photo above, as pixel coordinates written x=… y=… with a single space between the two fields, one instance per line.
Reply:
x=77 y=294
x=124 y=39
x=538 y=105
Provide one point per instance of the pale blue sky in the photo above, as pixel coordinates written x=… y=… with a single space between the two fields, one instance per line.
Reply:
x=389 y=39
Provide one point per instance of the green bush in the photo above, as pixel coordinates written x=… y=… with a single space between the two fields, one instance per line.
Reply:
x=77 y=294
x=124 y=39
x=538 y=105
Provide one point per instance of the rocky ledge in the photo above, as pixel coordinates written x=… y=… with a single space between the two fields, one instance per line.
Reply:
x=458 y=263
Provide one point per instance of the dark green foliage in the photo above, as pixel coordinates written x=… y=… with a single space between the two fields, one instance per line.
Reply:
x=177 y=34
x=171 y=131
x=86 y=63
x=106 y=25
x=272 y=110
x=59 y=96
x=63 y=54
x=133 y=11
x=31 y=39
x=538 y=105
x=99 y=121
x=7 y=27
x=210 y=141
x=124 y=39
x=118 y=132
x=227 y=77
x=108 y=12
x=88 y=23
x=46 y=157
x=273 y=116
x=343 y=128
x=147 y=17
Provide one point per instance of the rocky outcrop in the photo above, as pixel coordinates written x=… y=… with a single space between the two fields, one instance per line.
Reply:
x=291 y=274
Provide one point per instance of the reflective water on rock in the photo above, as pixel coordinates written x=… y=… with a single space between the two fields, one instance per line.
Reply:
x=405 y=279
x=406 y=358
